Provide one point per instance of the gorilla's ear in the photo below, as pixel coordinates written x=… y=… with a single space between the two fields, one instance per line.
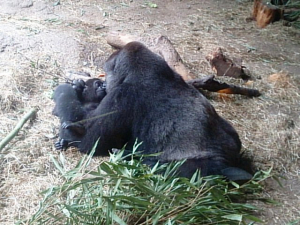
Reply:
x=235 y=174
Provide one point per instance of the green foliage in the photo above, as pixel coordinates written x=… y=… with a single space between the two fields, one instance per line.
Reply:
x=287 y=4
x=292 y=4
x=152 y=5
x=296 y=24
x=290 y=15
x=123 y=191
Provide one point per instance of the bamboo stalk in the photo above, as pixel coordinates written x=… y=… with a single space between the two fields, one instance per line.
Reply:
x=17 y=128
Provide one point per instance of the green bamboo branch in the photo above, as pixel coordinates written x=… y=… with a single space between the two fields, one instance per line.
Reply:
x=17 y=128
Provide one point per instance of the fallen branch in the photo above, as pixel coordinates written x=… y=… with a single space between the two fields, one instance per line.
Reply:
x=75 y=75
x=222 y=65
x=210 y=84
x=14 y=132
x=161 y=46
x=165 y=49
x=118 y=40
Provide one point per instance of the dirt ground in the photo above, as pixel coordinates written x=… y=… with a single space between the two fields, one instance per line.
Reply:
x=42 y=40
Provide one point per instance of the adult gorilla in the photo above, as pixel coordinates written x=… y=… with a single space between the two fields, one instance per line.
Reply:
x=146 y=100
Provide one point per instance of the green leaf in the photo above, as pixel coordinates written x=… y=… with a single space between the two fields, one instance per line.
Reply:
x=57 y=165
x=253 y=218
x=56 y=3
x=126 y=191
x=219 y=195
x=118 y=219
x=152 y=5
x=235 y=217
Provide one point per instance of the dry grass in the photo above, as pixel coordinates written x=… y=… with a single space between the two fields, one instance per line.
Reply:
x=37 y=53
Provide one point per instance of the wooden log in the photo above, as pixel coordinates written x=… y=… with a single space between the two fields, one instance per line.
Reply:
x=265 y=13
x=161 y=46
x=75 y=75
x=210 y=84
x=164 y=48
x=168 y=52
x=118 y=40
x=224 y=66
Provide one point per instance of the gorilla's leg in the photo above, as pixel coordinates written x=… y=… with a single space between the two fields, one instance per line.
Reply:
x=212 y=166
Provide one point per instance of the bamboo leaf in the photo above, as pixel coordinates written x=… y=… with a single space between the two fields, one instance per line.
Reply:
x=235 y=217
x=128 y=192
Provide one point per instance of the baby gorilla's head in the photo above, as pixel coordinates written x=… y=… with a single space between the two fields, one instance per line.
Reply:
x=94 y=90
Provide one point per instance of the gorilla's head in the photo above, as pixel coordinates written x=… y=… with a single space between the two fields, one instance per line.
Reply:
x=135 y=64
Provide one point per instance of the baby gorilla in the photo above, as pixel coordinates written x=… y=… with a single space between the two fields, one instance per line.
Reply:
x=149 y=102
x=73 y=103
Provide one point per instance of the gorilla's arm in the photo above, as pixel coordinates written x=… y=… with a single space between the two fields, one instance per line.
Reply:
x=111 y=122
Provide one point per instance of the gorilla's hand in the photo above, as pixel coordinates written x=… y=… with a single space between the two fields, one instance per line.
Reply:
x=61 y=145
x=77 y=128
x=78 y=86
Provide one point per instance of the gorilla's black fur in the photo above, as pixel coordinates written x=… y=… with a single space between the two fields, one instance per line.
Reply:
x=73 y=103
x=146 y=100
